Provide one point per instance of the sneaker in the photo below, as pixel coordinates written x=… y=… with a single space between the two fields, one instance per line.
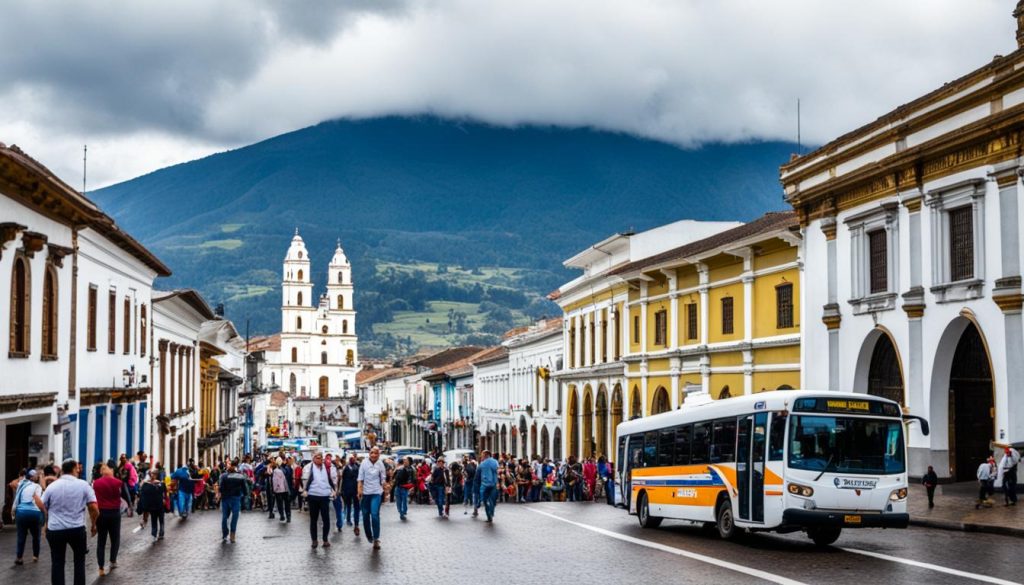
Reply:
x=113 y=565
x=232 y=537
x=161 y=537
x=476 y=513
x=281 y=520
x=315 y=544
x=327 y=544
x=376 y=545
x=357 y=531
x=19 y=562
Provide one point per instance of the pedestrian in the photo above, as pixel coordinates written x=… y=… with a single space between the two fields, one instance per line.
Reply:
x=487 y=473
x=609 y=487
x=152 y=494
x=280 y=479
x=440 y=483
x=27 y=508
x=65 y=503
x=929 y=481
x=349 y=493
x=1008 y=469
x=185 y=489
x=232 y=487
x=986 y=478
x=370 y=489
x=141 y=465
x=404 y=478
x=110 y=492
x=471 y=491
x=318 y=484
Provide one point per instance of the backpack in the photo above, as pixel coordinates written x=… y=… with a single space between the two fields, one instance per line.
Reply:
x=327 y=468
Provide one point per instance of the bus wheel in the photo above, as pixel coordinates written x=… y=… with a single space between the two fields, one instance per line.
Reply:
x=644 y=513
x=824 y=536
x=726 y=526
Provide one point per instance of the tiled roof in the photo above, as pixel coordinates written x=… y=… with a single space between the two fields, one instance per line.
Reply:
x=460 y=367
x=265 y=343
x=491 y=354
x=446 y=356
x=769 y=222
x=377 y=375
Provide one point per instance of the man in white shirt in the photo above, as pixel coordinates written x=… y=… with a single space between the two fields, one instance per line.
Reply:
x=986 y=478
x=318 y=483
x=65 y=502
x=372 y=478
x=1008 y=471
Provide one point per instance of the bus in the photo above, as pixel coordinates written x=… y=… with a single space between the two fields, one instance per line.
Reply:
x=781 y=461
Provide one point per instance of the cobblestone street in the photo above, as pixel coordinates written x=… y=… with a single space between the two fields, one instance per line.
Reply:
x=533 y=544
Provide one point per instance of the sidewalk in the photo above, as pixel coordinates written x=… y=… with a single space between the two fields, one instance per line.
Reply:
x=954 y=510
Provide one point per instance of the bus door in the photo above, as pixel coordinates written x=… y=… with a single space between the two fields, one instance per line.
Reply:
x=750 y=466
x=634 y=458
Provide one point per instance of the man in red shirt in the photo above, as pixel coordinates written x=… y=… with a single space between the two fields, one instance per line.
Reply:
x=109 y=493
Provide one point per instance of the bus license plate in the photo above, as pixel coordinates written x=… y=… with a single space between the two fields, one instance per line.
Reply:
x=851 y=519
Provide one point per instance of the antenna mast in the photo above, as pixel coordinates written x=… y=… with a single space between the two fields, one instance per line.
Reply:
x=85 y=156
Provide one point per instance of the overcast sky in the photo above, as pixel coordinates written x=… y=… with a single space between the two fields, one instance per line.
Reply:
x=148 y=84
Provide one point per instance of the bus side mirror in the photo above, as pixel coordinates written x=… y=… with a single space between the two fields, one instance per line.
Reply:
x=920 y=419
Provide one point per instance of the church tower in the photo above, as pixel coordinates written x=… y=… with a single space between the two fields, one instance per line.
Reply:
x=296 y=287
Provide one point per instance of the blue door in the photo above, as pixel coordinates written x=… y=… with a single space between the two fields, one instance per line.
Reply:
x=142 y=425
x=129 y=430
x=99 y=453
x=83 y=435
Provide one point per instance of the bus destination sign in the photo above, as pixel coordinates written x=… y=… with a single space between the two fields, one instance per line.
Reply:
x=846 y=406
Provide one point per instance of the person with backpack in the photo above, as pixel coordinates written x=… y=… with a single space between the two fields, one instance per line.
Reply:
x=318 y=485
x=185 y=489
x=405 y=477
x=232 y=487
x=27 y=508
x=440 y=484
x=280 y=478
x=1008 y=469
x=152 y=494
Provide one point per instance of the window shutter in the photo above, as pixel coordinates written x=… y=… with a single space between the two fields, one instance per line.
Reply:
x=961 y=244
x=878 y=256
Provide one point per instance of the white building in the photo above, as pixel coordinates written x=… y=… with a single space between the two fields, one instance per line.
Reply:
x=535 y=395
x=318 y=348
x=912 y=286
x=492 y=400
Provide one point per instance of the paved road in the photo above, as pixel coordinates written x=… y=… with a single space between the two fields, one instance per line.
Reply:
x=540 y=543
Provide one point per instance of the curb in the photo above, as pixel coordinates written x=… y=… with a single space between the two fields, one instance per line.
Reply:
x=968 y=527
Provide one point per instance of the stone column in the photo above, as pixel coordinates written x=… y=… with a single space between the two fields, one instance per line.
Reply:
x=831 y=316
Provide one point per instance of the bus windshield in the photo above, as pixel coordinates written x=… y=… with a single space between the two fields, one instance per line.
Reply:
x=846 y=445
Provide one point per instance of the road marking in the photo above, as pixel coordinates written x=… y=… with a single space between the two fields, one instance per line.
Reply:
x=677 y=551
x=938 y=568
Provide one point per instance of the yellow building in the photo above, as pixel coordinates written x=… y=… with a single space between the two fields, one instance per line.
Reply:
x=718 y=314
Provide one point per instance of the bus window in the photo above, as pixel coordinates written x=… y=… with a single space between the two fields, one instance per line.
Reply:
x=650 y=449
x=622 y=454
x=683 y=444
x=699 y=443
x=636 y=451
x=777 y=437
x=666 y=447
x=723 y=446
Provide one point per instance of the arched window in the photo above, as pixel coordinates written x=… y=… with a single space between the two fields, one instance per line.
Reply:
x=350 y=358
x=298 y=299
x=323 y=357
x=273 y=378
x=298 y=323
x=341 y=277
x=20 y=307
x=291 y=380
x=50 y=313
x=344 y=327
x=295 y=360
x=142 y=330
x=341 y=302
x=300 y=270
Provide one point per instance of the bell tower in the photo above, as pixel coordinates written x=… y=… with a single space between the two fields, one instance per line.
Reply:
x=296 y=287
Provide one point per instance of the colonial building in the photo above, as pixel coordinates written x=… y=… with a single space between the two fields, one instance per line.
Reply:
x=597 y=326
x=222 y=354
x=76 y=378
x=318 y=345
x=492 y=401
x=912 y=226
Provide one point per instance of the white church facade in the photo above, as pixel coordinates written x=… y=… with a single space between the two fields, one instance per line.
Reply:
x=318 y=358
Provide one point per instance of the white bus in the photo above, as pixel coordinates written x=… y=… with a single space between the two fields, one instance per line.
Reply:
x=778 y=461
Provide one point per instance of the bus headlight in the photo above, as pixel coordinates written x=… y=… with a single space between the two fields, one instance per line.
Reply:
x=897 y=495
x=801 y=490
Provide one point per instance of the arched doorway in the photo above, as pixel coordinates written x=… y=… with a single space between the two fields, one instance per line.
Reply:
x=601 y=421
x=503 y=439
x=545 y=450
x=556 y=444
x=885 y=378
x=572 y=448
x=970 y=404
x=524 y=432
x=662 y=403
x=616 y=409
x=635 y=404
x=533 y=440
x=588 y=423
x=323 y=386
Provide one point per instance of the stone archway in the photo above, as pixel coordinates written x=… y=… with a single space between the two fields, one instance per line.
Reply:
x=601 y=421
x=533 y=441
x=556 y=444
x=616 y=410
x=524 y=440
x=572 y=446
x=962 y=397
x=545 y=444
x=879 y=370
x=662 y=402
x=503 y=439
x=587 y=438
x=636 y=408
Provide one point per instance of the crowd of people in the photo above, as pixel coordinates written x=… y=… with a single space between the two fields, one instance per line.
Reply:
x=59 y=501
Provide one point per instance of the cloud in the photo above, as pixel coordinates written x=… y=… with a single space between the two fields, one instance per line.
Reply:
x=158 y=82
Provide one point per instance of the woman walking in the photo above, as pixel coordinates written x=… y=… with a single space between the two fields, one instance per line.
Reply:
x=152 y=494
x=110 y=491
x=28 y=513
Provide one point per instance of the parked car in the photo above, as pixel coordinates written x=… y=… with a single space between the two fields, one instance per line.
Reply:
x=457 y=454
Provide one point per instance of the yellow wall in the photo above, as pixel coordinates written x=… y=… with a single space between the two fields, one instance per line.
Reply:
x=715 y=296
x=724 y=267
x=687 y=277
x=718 y=381
x=726 y=358
x=633 y=368
x=775 y=257
x=602 y=295
x=662 y=365
x=777 y=355
x=772 y=380
x=657 y=287
x=653 y=383
x=634 y=343
x=764 y=303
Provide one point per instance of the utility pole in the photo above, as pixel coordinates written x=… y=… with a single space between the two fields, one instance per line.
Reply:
x=85 y=158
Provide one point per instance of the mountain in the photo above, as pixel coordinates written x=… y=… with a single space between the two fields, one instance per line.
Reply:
x=428 y=210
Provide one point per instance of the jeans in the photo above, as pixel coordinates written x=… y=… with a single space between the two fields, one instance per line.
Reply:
x=437 y=492
x=489 y=495
x=370 y=505
x=284 y=506
x=156 y=518
x=319 y=507
x=351 y=500
x=609 y=491
x=59 y=540
x=28 y=523
x=184 y=503
x=338 y=520
x=108 y=525
x=402 y=500
x=229 y=506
